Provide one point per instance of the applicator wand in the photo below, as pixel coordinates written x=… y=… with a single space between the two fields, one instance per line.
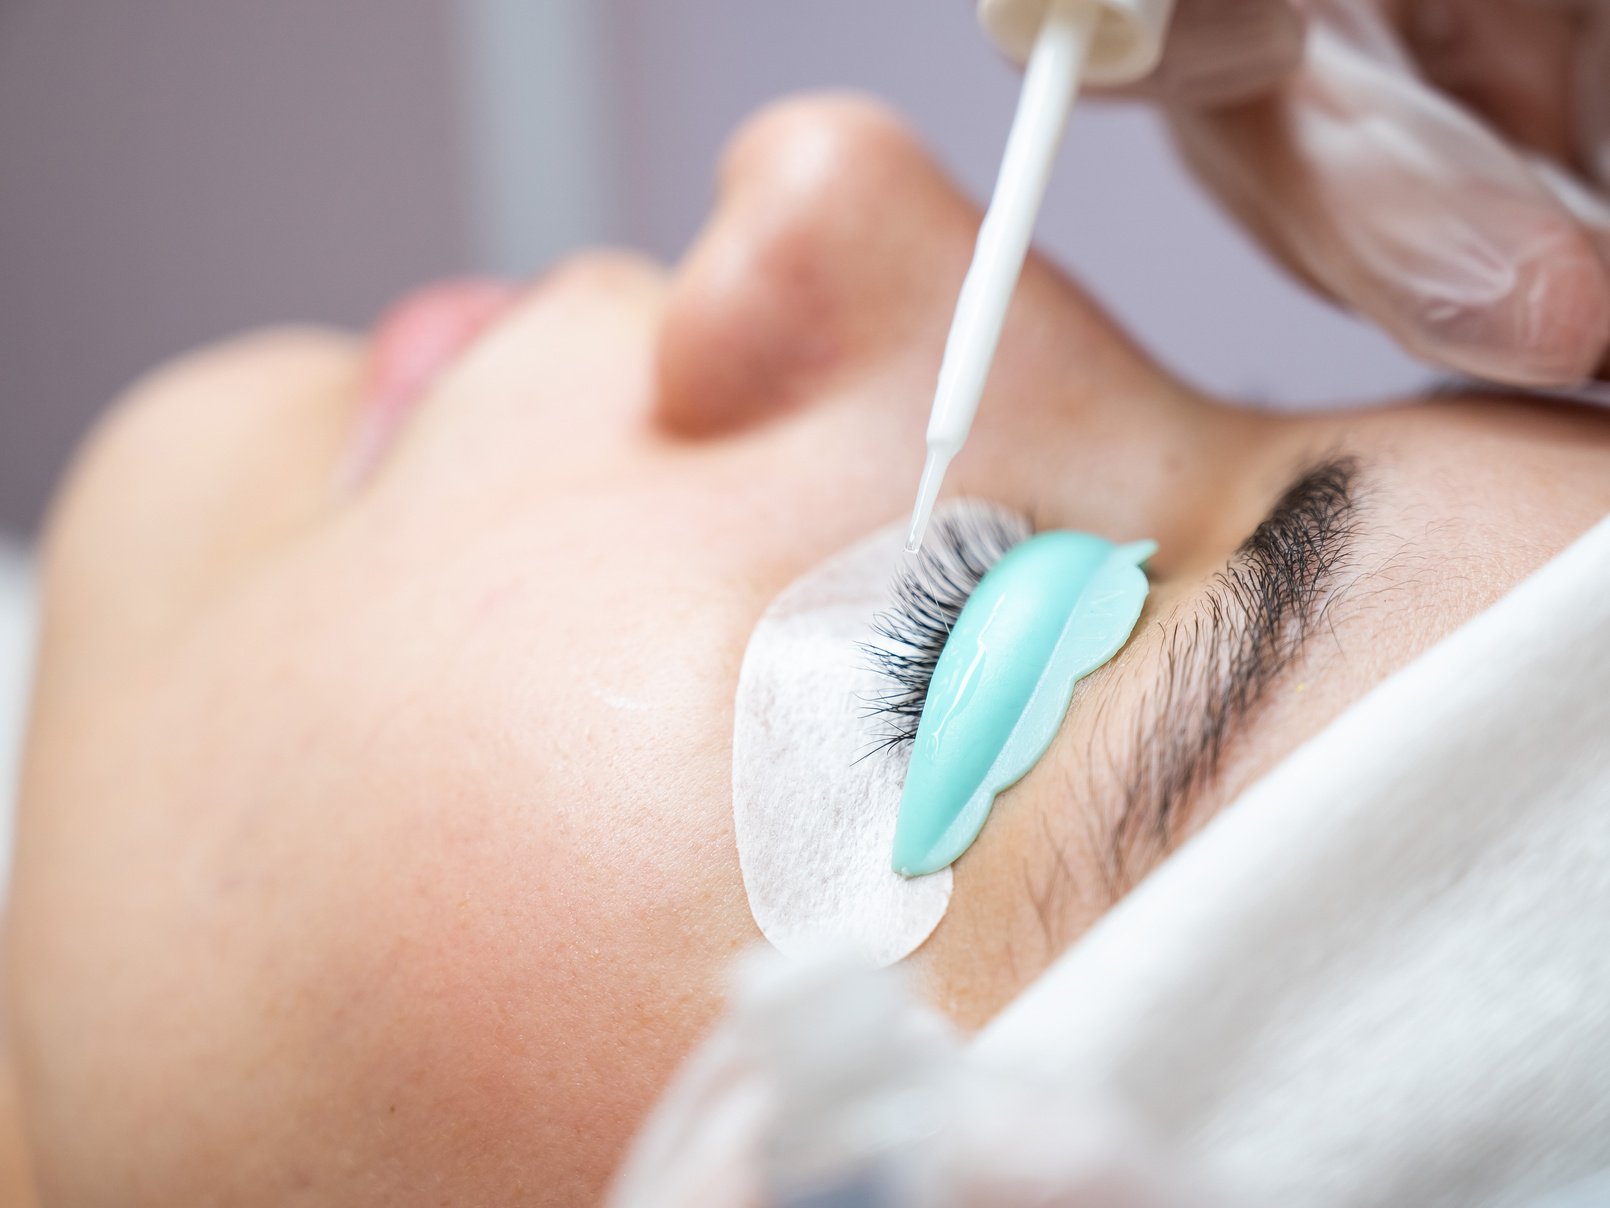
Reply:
x=1065 y=42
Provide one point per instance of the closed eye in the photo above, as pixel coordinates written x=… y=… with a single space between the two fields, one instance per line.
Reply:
x=1220 y=662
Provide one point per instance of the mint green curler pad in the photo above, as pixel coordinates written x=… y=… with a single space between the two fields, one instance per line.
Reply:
x=1051 y=611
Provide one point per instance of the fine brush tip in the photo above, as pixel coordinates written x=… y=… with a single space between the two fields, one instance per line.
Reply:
x=933 y=474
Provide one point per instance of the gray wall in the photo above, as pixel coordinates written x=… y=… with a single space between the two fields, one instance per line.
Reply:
x=173 y=170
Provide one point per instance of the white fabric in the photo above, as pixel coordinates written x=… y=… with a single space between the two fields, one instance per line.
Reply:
x=1383 y=975
x=813 y=807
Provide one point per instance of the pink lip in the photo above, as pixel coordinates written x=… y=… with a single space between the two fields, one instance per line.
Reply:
x=414 y=342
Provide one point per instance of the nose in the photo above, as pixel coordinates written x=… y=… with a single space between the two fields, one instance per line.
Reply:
x=827 y=278
x=835 y=241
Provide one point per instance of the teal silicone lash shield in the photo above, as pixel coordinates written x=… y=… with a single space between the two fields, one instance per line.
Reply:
x=1054 y=609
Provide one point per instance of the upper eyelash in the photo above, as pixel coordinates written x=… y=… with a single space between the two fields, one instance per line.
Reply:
x=929 y=592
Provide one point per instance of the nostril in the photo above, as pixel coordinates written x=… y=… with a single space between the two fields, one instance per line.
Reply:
x=832 y=231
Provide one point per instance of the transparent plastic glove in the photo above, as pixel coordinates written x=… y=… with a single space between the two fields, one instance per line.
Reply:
x=1442 y=173
x=829 y=1084
x=1221 y=51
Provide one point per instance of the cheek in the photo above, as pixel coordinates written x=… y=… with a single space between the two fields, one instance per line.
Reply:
x=404 y=920
x=532 y=906
x=507 y=995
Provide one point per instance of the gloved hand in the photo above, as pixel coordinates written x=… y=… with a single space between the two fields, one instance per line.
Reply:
x=1439 y=166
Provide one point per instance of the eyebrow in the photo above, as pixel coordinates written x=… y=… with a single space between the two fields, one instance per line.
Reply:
x=1220 y=661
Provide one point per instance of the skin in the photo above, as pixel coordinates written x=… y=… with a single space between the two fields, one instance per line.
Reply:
x=376 y=843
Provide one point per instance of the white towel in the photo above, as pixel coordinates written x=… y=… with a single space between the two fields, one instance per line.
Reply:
x=1383 y=975
x=1380 y=977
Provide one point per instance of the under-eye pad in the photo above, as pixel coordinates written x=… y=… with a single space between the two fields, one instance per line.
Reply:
x=1051 y=611
x=814 y=791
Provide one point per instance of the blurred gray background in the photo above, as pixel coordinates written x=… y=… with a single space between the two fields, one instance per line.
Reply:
x=174 y=170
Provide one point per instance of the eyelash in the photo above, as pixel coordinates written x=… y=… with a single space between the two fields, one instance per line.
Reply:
x=929 y=592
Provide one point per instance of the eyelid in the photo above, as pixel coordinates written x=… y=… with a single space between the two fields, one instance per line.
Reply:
x=1228 y=644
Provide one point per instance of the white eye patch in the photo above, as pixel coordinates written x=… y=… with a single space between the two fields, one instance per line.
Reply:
x=814 y=802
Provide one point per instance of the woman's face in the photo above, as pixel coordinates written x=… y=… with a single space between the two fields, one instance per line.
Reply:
x=377 y=843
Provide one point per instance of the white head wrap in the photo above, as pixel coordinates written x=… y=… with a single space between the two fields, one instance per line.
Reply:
x=1382 y=976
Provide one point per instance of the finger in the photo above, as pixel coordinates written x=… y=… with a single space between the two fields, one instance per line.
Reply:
x=1589 y=207
x=1405 y=208
x=1221 y=51
x=1586 y=204
x=1590 y=85
x=1215 y=52
x=1507 y=60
